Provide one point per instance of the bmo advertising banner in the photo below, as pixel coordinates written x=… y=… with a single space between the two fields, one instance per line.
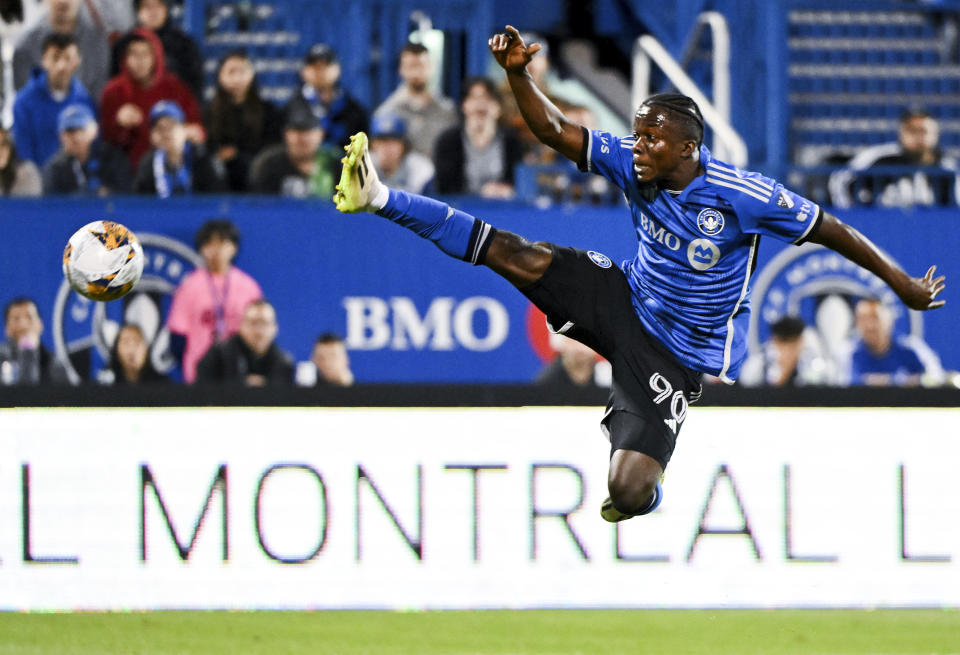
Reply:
x=471 y=508
x=408 y=312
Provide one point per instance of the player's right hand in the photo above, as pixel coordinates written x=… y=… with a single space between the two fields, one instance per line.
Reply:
x=510 y=51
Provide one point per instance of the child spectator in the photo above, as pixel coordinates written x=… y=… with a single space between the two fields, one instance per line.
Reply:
x=208 y=305
x=340 y=115
x=425 y=114
x=181 y=54
x=479 y=155
x=143 y=82
x=130 y=360
x=174 y=166
x=38 y=105
x=299 y=167
x=239 y=122
x=64 y=17
x=18 y=177
x=85 y=165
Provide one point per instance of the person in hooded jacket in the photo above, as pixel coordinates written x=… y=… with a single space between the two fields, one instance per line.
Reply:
x=143 y=82
x=181 y=53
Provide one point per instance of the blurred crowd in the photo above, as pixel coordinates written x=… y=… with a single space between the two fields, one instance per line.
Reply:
x=112 y=101
x=99 y=113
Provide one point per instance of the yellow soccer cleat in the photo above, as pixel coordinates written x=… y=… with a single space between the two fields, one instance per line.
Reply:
x=610 y=513
x=359 y=182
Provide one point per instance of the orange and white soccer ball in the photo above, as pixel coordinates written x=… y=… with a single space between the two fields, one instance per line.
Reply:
x=103 y=260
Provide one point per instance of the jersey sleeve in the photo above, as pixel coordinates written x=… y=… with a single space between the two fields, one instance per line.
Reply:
x=607 y=155
x=767 y=207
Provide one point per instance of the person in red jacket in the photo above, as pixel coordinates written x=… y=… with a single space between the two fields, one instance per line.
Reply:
x=143 y=82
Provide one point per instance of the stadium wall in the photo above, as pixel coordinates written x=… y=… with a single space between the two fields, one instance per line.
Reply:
x=408 y=508
x=410 y=313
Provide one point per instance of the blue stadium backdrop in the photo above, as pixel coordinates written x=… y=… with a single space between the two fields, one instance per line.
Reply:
x=409 y=313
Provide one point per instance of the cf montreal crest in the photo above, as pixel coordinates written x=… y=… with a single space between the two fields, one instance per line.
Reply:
x=599 y=259
x=710 y=221
x=821 y=287
x=84 y=331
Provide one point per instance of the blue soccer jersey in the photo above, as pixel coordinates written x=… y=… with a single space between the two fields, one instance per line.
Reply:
x=690 y=277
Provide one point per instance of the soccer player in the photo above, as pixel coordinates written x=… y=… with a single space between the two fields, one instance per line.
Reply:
x=681 y=306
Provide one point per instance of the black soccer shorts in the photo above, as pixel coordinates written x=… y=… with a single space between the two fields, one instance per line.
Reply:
x=586 y=297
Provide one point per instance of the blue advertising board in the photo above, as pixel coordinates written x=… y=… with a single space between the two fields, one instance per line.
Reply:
x=408 y=312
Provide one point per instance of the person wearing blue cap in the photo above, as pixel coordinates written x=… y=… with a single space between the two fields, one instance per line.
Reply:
x=174 y=165
x=400 y=167
x=52 y=87
x=85 y=164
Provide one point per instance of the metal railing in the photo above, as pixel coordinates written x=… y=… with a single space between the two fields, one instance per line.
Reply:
x=728 y=145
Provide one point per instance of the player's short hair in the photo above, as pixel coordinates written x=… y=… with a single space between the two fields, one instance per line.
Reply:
x=413 y=48
x=217 y=227
x=16 y=302
x=788 y=328
x=327 y=337
x=683 y=108
x=58 y=41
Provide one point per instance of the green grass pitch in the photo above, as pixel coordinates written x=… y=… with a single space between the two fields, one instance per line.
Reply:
x=554 y=632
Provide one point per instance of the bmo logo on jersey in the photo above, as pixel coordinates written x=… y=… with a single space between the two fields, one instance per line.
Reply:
x=479 y=323
x=659 y=233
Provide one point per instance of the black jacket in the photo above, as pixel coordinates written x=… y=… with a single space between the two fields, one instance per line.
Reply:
x=231 y=361
x=105 y=168
x=450 y=160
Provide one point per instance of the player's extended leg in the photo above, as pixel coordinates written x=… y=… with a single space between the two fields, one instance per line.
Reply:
x=455 y=232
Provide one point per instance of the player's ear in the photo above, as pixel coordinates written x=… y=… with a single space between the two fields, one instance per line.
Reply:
x=689 y=149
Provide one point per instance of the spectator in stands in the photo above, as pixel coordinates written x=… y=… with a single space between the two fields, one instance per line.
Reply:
x=239 y=122
x=130 y=360
x=329 y=364
x=174 y=166
x=181 y=53
x=208 y=305
x=563 y=92
x=398 y=165
x=791 y=358
x=574 y=367
x=143 y=82
x=251 y=357
x=339 y=114
x=52 y=88
x=18 y=177
x=425 y=114
x=930 y=177
x=85 y=165
x=23 y=359
x=65 y=17
x=300 y=167
x=879 y=359
x=478 y=156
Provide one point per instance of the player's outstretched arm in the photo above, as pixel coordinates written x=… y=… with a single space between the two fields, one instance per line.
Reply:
x=545 y=120
x=915 y=292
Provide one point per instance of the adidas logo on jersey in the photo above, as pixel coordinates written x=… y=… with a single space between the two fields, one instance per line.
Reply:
x=784 y=201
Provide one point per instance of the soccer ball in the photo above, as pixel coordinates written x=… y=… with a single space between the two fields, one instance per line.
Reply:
x=103 y=260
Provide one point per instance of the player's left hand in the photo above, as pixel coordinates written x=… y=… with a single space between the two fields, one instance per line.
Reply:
x=511 y=52
x=921 y=292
